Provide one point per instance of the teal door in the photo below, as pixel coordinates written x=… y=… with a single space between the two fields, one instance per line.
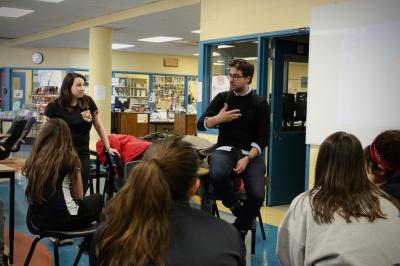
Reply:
x=17 y=90
x=287 y=148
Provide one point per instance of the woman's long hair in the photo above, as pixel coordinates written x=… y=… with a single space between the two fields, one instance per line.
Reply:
x=52 y=151
x=387 y=145
x=137 y=230
x=342 y=186
x=66 y=97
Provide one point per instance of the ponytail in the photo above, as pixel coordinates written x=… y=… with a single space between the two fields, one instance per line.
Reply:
x=137 y=230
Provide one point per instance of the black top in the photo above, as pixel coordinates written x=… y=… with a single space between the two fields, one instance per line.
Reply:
x=199 y=239
x=57 y=208
x=79 y=122
x=393 y=186
x=252 y=126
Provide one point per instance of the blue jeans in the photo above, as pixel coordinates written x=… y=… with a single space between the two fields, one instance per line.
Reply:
x=221 y=164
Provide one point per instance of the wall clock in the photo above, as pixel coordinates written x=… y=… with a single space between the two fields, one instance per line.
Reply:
x=37 y=58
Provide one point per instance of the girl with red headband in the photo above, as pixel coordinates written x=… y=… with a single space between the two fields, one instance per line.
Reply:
x=382 y=159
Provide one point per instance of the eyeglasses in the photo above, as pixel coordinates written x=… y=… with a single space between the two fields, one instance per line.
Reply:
x=234 y=76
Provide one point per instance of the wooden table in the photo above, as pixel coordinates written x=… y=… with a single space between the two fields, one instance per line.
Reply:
x=9 y=172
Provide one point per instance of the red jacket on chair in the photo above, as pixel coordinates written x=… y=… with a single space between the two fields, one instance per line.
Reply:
x=128 y=146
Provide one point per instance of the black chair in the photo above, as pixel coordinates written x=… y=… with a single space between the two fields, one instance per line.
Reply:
x=301 y=107
x=95 y=173
x=209 y=204
x=117 y=174
x=11 y=137
x=22 y=139
x=288 y=108
x=58 y=235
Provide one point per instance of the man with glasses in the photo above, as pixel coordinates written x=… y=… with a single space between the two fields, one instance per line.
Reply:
x=242 y=118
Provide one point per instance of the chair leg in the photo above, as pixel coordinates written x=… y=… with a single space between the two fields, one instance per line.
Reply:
x=78 y=257
x=91 y=187
x=262 y=227
x=31 y=250
x=253 y=241
x=215 y=209
x=56 y=259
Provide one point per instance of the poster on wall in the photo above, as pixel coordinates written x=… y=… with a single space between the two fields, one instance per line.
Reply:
x=99 y=92
x=18 y=94
x=219 y=84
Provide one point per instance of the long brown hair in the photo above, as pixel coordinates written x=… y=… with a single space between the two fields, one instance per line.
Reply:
x=342 y=186
x=66 y=97
x=137 y=230
x=387 y=145
x=52 y=151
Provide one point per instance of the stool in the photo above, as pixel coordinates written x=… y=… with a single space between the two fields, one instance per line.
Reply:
x=209 y=204
x=58 y=234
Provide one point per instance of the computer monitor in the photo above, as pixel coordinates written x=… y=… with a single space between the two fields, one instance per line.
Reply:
x=122 y=103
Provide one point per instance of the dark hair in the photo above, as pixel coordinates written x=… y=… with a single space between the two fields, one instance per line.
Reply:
x=136 y=230
x=65 y=98
x=342 y=185
x=244 y=66
x=52 y=151
x=388 y=146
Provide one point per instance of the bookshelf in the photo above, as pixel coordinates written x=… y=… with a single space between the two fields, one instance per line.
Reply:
x=168 y=92
x=132 y=88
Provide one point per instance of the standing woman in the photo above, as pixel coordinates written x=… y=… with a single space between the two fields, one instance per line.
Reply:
x=80 y=112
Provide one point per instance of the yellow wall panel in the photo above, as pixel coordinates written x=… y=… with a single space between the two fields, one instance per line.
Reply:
x=227 y=18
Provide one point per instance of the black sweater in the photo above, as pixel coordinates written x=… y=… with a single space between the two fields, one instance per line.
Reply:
x=252 y=126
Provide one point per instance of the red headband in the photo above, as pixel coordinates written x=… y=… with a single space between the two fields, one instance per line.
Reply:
x=378 y=159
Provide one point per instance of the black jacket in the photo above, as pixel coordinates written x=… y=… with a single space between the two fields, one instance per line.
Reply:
x=198 y=239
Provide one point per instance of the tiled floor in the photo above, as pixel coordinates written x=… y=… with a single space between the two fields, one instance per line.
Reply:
x=265 y=250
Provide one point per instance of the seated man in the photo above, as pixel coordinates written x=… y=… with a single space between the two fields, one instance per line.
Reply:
x=242 y=118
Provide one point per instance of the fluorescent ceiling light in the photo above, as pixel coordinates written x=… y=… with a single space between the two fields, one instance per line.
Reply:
x=225 y=46
x=255 y=42
x=195 y=31
x=216 y=54
x=11 y=12
x=220 y=61
x=249 y=58
x=51 y=1
x=219 y=64
x=160 y=39
x=116 y=46
x=196 y=54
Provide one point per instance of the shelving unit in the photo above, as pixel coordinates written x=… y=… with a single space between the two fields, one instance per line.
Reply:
x=131 y=86
x=168 y=92
x=41 y=96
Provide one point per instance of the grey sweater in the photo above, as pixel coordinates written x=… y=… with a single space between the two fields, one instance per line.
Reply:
x=301 y=241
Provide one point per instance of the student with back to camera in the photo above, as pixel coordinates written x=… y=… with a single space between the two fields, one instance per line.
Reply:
x=150 y=222
x=383 y=162
x=54 y=190
x=344 y=219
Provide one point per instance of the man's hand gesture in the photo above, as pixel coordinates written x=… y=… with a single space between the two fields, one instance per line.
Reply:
x=226 y=116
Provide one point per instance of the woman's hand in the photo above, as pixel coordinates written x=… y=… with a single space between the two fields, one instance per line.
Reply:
x=113 y=151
